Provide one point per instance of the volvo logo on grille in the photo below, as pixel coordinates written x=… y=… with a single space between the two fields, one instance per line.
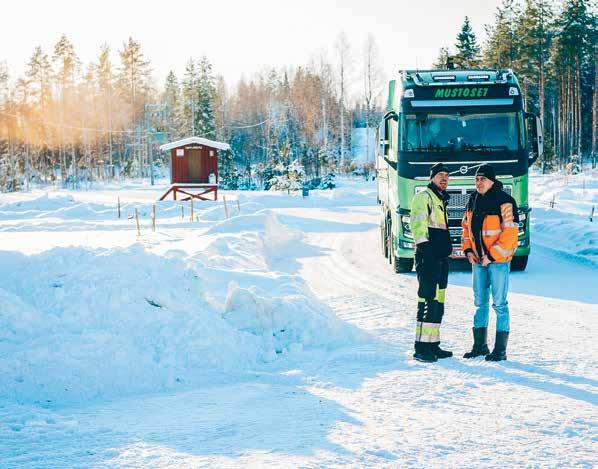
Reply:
x=463 y=169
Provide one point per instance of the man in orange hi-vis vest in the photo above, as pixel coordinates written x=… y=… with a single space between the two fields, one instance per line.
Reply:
x=490 y=230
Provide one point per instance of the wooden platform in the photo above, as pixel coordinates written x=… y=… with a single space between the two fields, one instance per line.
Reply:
x=193 y=191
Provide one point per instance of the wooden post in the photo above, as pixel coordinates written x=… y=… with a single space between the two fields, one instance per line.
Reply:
x=119 y=207
x=225 y=206
x=238 y=206
x=182 y=212
x=154 y=217
x=191 y=209
x=137 y=221
x=592 y=214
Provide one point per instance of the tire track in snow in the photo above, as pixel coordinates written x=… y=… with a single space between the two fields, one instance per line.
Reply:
x=538 y=406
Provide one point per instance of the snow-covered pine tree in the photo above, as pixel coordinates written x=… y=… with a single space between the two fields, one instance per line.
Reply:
x=328 y=182
x=266 y=172
x=289 y=178
x=287 y=138
x=226 y=170
x=296 y=175
x=205 y=124
x=467 y=47
x=189 y=94
x=171 y=97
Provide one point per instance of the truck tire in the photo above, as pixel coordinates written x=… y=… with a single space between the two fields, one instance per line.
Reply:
x=403 y=265
x=391 y=251
x=383 y=239
x=519 y=263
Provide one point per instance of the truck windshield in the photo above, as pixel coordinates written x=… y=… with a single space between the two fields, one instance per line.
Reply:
x=474 y=132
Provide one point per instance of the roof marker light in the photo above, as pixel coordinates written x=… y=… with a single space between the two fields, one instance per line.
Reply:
x=444 y=77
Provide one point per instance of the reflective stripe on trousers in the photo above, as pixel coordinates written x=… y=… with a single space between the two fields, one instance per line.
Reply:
x=429 y=317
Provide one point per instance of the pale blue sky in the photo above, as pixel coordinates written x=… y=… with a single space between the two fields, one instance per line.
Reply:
x=240 y=37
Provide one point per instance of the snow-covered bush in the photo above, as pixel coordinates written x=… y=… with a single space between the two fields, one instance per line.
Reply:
x=328 y=182
x=290 y=179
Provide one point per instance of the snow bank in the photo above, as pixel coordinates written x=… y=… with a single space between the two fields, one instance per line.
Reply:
x=288 y=322
x=250 y=242
x=560 y=220
x=36 y=206
x=79 y=324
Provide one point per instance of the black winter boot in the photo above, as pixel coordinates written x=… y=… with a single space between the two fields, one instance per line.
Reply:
x=500 y=348
x=424 y=353
x=480 y=346
x=435 y=346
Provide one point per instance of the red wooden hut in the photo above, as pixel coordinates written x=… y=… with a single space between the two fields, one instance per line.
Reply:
x=194 y=167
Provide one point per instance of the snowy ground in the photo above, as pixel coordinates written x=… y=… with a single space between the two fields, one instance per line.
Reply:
x=280 y=337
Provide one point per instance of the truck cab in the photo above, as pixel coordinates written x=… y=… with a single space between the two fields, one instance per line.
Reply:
x=464 y=119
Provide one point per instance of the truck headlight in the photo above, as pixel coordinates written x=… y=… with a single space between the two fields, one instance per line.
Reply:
x=406 y=224
x=522 y=222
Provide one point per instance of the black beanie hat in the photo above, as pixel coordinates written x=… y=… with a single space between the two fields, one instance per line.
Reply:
x=487 y=171
x=438 y=168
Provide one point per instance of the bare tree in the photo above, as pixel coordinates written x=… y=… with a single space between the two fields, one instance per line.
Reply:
x=372 y=85
x=343 y=51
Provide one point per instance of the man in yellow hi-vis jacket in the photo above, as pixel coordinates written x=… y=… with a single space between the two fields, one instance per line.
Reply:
x=429 y=225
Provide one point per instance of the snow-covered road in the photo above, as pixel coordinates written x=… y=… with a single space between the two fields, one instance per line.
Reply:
x=362 y=404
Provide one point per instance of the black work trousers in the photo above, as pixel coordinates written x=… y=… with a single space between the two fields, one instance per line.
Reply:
x=432 y=277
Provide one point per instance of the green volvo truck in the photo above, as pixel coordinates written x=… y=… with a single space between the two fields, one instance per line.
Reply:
x=463 y=118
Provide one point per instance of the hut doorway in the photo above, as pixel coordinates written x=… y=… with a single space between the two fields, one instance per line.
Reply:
x=195 y=165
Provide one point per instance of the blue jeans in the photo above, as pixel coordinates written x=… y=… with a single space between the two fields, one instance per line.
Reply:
x=493 y=278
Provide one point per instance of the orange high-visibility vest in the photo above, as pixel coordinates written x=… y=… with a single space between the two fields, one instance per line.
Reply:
x=499 y=231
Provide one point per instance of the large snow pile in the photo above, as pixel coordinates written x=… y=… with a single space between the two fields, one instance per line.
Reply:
x=562 y=206
x=80 y=323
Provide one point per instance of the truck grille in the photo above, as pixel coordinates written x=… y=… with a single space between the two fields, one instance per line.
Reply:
x=459 y=198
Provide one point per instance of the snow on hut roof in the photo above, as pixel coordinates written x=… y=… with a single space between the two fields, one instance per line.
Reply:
x=198 y=140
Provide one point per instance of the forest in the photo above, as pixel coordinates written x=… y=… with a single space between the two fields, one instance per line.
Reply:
x=67 y=123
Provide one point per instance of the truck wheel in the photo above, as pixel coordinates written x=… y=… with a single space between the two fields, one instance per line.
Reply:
x=518 y=264
x=391 y=249
x=383 y=239
x=403 y=265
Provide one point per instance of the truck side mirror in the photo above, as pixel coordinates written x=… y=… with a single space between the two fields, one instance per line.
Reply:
x=536 y=137
x=539 y=137
x=392 y=115
x=385 y=140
